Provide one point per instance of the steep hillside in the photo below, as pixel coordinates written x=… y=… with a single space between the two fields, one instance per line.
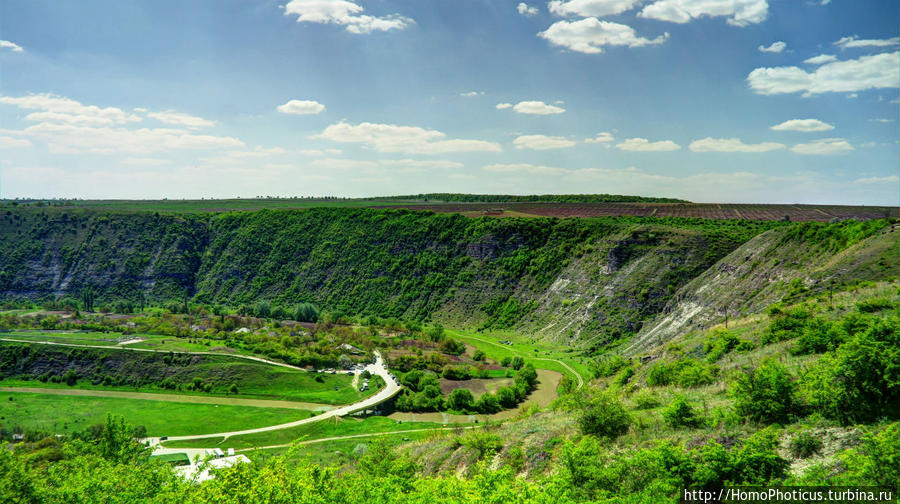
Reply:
x=593 y=282
x=778 y=265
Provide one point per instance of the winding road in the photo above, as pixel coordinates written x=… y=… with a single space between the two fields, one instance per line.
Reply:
x=378 y=368
x=561 y=363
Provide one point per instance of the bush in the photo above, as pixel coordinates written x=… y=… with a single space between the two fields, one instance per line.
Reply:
x=461 y=400
x=646 y=399
x=306 y=312
x=766 y=394
x=874 y=305
x=680 y=414
x=605 y=417
x=452 y=347
x=805 y=445
x=684 y=373
x=70 y=378
x=785 y=324
x=860 y=381
x=478 y=356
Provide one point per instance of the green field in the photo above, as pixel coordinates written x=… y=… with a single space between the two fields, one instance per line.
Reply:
x=542 y=356
x=217 y=205
x=255 y=380
x=112 y=339
x=317 y=430
x=62 y=414
x=340 y=451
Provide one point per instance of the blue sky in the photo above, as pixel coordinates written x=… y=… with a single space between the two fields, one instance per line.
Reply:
x=711 y=100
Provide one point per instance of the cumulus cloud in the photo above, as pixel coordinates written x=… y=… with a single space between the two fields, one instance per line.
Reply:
x=67 y=126
x=181 y=119
x=13 y=143
x=709 y=144
x=821 y=59
x=644 y=145
x=823 y=147
x=526 y=10
x=604 y=137
x=301 y=107
x=866 y=72
x=590 y=35
x=542 y=142
x=739 y=12
x=12 y=46
x=854 y=41
x=524 y=168
x=409 y=139
x=590 y=8
x=343 y=13
x=775 y=47
x=60 y=109
x=535 y=107
x=68 y=138
x=501 y=106
x=471 y=94
x=804 y=125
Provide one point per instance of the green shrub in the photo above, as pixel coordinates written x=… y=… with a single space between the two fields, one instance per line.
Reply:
x=646 y=399
x=860 y=380
x=605 y=417
x=766 y=394
x=680 y=414
x=684 y=373
x=805 y=445
x=785 y=324
x=875 y=305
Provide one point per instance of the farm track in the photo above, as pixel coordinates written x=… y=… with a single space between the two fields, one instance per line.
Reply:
x=177 y=398
x=118 y=347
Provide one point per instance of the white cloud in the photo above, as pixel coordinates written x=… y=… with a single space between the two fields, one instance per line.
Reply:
x=472 y=94
x=347 y=164
x=6 y=44
x=739 y=12
x=501 y=106
x=820 y=59
x=301 y=107
x=409 y=139
x=13 y=143
x=709 y=144
x=890 y=179
x=542 y=142
x=823 y=147
x=524 y=168
x=536 y=108
x=319 y=152
x=67 y=127
x=804 y=125
x=590 y=8
x=343 y=13
x=882 y=120
x=589 y=35
x=604 y=137
x=145 y=161
x=64 y=110
x=854 y=42
x=181 y=119
x=419 y=164
x=775 y=47
x=867 y=72
x=526 y=10
x=644 y=145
